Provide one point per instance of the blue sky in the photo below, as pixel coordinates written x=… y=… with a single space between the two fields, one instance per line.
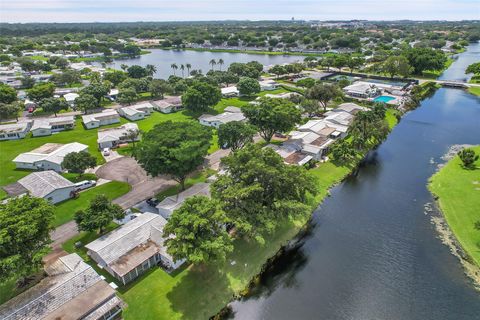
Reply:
x=162 y=10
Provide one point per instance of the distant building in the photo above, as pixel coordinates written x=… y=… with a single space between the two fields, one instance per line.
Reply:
x=46 y=126
x=230 y=92
x=48 y=185
x=72 y=290
x=106 y=117
x=170 y=204
x=112 y=137
x=234 y=114
x=168 y=104
x=268 y=85
x=15 y=131
x=137 y=111
x=132 y=249
x=47 y=157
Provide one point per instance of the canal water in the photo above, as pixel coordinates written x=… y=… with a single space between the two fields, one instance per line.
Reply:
x=163 y=59
x=372 y=252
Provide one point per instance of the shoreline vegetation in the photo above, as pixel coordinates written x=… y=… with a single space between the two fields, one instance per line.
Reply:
x=456 y=192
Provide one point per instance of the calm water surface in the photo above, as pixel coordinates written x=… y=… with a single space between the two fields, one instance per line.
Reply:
x=162 y=59
x=372 y=252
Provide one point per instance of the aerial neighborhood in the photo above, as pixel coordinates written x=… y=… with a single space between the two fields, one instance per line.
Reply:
x=149 y=185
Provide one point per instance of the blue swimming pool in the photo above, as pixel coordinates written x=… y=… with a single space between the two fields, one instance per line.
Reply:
x=383 y=99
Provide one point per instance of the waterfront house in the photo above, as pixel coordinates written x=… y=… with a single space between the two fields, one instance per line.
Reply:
x=13 y=131
x=132 y=249
x=95 y=120
x=291 y=154
x=47 y=157
x=112 y=137
x=71 y=290
x=169 y=204
x=361 y=89
x=46 y=126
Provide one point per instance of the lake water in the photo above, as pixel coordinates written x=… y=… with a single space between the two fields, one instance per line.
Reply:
x=372 y=252
x=162 y=59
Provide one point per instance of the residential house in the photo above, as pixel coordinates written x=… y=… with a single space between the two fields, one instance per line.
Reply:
x=48 y=185
x=234 y=114
x=72 y=290
x=230 y=92
x=350 y=107
x=112 y=137
x=70 y=98
x=133 y=248
x=13 y=131
x=309 y=143
x=46 y=126
x=268 y=85
x=170 y=204
x=113 y=94
x=47 y=157
x=285 y=95
x=324 y=128
x=106 y=117
x=291 y=154
x=168 y=104
x=137 y=111
x=361 y=89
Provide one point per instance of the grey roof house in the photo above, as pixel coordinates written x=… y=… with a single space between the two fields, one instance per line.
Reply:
x=169 y=204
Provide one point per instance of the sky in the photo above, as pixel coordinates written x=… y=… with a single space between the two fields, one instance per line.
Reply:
x=197 y=10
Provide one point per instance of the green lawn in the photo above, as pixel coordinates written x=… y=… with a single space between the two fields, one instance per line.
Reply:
x=458 y=190
x=65 y=211
x=474 y=90
x=196 y=178
x=391 y=117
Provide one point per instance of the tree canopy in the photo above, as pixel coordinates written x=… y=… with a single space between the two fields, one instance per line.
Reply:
x=272 y=115
x=7 y=94
x=174 y=148
x=41 y=91
x=54 y=105
x=235 y=135
x=423 y=59
x=199 y=231
x=200 y=96
x=260 y=190
x=78 y=162
x=323 y=93
x=86 y=102
x=98 y=215
x=248 y=86
x=25 y=225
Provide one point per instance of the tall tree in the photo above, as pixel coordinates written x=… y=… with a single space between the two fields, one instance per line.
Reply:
x=78 y=162
x=212 y=63
x=96 y=89
x=220 y=63
x=323 y=93
x=235 y=135
x=10 y=110
x=174 y=67
x=25 y=225
x=54 y=105
x=151 y=69
x=182 y=68
x=188 y=66
x=7 y=94
x=272 y=115
x=196 y=231
x=396 y=65
x=86 y=102
x=158 y=87
x=41 y=91
x=423 y=59
x=127 y=96
x=174 y=148
x=200 y=96
x=137 y=72
x=98 y=215
x=248 y=86
x=259 y=190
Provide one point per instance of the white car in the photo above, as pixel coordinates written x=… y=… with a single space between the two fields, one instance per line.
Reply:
x=106 y=151
x=82 y=185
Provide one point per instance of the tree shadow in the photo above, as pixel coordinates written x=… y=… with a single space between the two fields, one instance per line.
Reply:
x=201 y=293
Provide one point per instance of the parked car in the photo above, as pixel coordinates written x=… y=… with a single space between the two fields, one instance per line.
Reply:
x=153 y=202
x=106 y=151
x=82 y=185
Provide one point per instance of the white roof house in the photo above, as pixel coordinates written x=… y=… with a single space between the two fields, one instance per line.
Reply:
x=230 y=91
x=339 y=117
x=267 y=85
x=350 y=107
x=137 y=111
x=361 y=89
x=47 y=157
x=133 y=248
x=72 y=290
x=168 y=104
x=14 y=131
x=70 y=97
x=219 y=119
x=310 y=143
x=109 y=138
x=170 y=204
x=48 y=185
x=106 y=117
x=45 y=126
x=290 y=154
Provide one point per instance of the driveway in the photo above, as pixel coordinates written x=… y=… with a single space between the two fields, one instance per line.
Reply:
x=126 y=169
x=60 y=235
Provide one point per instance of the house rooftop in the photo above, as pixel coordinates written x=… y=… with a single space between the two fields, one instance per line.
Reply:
x=15 y=127
x=52 y=152
x=105 y=114
x=42 y=183
x=47 y=123
x=223 y=117
x=116 y=133
x=173 y=202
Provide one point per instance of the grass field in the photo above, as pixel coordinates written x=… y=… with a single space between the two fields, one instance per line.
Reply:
x=65 y=211
x=458 y=190
x=474 y=90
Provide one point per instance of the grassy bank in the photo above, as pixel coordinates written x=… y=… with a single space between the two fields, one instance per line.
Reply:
x=474 y=90
x=272 y=53
x=458 y=192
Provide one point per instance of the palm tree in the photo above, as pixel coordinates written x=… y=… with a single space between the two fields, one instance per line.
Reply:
x=212 y=63
x=151 y=69
x=123 y=66
x=174 y=67
x=189 y=66
x=182 y=67
x=220 y=63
